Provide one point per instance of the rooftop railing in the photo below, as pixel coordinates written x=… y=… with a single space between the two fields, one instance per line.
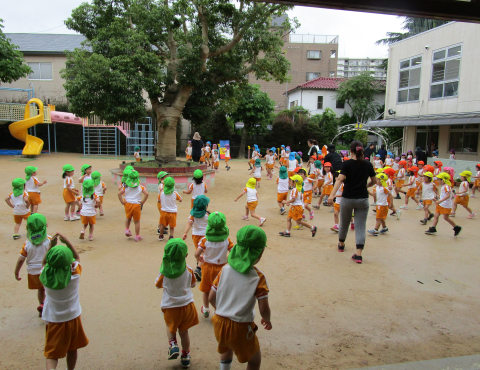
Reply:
x=313 y=39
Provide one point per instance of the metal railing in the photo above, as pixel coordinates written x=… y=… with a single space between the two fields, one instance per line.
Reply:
x=396 y=147
x=13 y=112
x=313 y=39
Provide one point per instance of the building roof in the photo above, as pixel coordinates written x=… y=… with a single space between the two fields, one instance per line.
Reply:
x=326 y=83
x=45 y=43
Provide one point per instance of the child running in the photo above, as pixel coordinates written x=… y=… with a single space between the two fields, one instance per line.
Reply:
x=308 y=182
x=377 y=162
x=444 y=205
x=100 y=189
x=131 y=198
x=179 y=311
x=32 y=187
x=69 y=193
x=257 y=171
x=18 y=200
x=327 y=186
x=389 y=160
x=90 y=201
x=382 y=205
x=292 y=163
x=412 y=188
x=252 y=200
x=476 y=184
x=215 y=160
x=336 y=208
x=320 y=178
x=33 y=251
x=196 y=188
x=61 y=278
x=234 y=292
x=136 y=153
x=208 y=151
x=270 y=162
x=188 y=152
x=462 y=197
x=400 y=178
x=227 y=156
x=162 y=175
x=212 y=251
x=429 y=192
x=282 y=188
x=168 y=214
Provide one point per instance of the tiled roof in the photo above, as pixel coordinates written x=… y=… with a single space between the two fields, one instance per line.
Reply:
x=45 y=43
x=326 y=83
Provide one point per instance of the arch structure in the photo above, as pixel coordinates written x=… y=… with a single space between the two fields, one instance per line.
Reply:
x=359 y=126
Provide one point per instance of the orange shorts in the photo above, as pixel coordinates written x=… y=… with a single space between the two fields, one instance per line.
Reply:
x=34 y=282
x=216 y=164
x=252 y=161
x=282 y=196
x=133 y=210
x=258 y=179
x=207 y=155
x=189 y=157
x=209 y=274
x=191 y=204
x=101 y=199
x=327 y=190
x=62 y=337
x=270 y=166
x=68 y=196
x=180 y=318
x=202 y=159
x=296 y=212
x=443 y=211
x=159 y=206
x=34 y=198
x=88 y=220
x=168 y=219
x=382 y=212
x=196 y=240
x=252 y=205
x=477 y=182
x=137 y=159
x=240 y=337
x=320 y=183
x=336 y=207
x=399 y=183
x=18 y=218
x=307 y=197
x=411 y=192
x=226 y=159
x=291 y=173
x=462 y=200
x=427 y=201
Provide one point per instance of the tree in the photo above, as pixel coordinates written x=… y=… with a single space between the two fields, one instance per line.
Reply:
x=165 y=52
x=362 y=136
x=359 y=93
x=328 y=123
x=255 y=110
x=12 y=65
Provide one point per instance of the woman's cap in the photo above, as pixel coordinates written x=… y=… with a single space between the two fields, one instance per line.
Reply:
x=29 y=170
x=379 y=170
x=68 y=168
x=133 y=179
x=217 y=230
x=251 y=183
x=96 y=177
x=318 y=164
x=198 y=174
x=345 y=159
x=200 y=206
x=404 y=154
x=251 y=241
x=291 y=156
x=428 y=174
x=173 y=262
x=88 y=188
x=429 y=168
x=36 y=228
x=84 y=168
x=126 y=172
x=18 y=186
x=57 y=272
x=168 y=185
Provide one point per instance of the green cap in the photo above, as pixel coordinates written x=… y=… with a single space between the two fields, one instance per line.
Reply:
x=217 y=230
x=251 y=241
x=85 y=167
x=257 y=163
x=200 y=206
x=318 y=164
x=168 y=185
x=125 y=174
x=57 y=272
x=297 y=157
x=29 y=170
x=96 y=177
x=198 y=174
x=68 y=168
x=161 y=175
x=283 y=174
x=136 y=148
x=173 y=262
x=36 y=228
x=88 y=188
x=133 y=179
x=18 y=187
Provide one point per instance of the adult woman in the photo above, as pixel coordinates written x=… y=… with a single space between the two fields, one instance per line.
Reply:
x=354 y=175
x=313 y=145
x=197 y=145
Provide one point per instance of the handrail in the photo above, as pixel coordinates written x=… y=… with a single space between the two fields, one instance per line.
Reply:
x=14 y=112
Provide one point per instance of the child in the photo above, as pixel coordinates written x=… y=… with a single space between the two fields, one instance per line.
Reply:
x=136 y=154
x=202 y=156
x=377 y=162
x=476 y=184
x=320 y=178
x=298 y=157
x=90 y=201
x=389 y=160
x=100 y=189
x=31 y=186
x=125 y=173
x=208 y=151
x=86 y=173
x=270 y=162
x=179 y=311
x=214 y=248
x=234 y=292
x=33 y=251
x=462 y=197
x=292 y=163
x=400 y=178
x=198 y=187
x=252 y=201
x=307 y=190
x=429 y=193
x=215 y=159
x=336 y=208
x=437 y=165
x=61 y=278
x=69 y=193
x=188 y=152
x=162 y=175
x=390 y=172
x=18 y=200
x=198 y=221
x=444 y=205
x=257 y=171
x=296 y=210
x=168 y=213
x=396 y=166
x=131 y=197
x=327 y=186
x=382 y=205
x=409 y=158
x=227 y=156
x=412 y=188
x=283 y=155
x=282 y=188
x=452 y=154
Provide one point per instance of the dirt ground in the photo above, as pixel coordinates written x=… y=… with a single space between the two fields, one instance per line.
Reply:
x=415 y=297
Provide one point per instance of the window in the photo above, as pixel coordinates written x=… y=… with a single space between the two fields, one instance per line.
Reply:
x=445 y=72
x=333 y=54
x=409 y=80
x=293 y=104
x=332 y=73
x=319 y=102
x=314 y=54
x=340 y=104
x=464 y=138
x=422 y=136
x=41 y=71
x=312 y=75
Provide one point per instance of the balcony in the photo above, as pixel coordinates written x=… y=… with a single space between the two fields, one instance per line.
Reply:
x=312 y=39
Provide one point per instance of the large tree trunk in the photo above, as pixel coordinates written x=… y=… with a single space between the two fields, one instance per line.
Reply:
x=243 y=142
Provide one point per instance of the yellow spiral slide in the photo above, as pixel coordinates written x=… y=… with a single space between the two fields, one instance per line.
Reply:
x=19 y=130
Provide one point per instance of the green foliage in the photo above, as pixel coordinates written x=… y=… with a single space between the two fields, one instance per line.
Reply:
x=361 y=136
x=394 y=133
x=346 y=119
x=216 y=129
x=12 y=65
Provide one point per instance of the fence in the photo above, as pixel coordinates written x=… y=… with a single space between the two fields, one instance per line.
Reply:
x=144 y=137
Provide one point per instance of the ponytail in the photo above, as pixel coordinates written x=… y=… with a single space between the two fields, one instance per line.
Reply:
x=357 y=148
x=64 y=175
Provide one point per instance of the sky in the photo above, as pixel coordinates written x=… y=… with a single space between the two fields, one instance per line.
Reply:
x=357 y=31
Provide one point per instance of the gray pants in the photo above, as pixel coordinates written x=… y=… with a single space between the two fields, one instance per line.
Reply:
x=360 y=208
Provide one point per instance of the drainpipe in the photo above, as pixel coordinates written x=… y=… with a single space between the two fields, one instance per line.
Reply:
x=301 y=97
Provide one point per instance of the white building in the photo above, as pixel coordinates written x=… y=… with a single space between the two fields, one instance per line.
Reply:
x=350 y=67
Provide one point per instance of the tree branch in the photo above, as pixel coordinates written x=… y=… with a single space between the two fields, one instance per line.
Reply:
x=204 y=50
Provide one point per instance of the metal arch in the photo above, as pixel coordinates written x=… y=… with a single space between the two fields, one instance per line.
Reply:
x=358 y=126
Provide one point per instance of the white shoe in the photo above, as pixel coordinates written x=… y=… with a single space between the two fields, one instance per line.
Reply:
x=74 y=218
x=373 y=204
x=404 y=207
x=66 y=218
x=419 y=207
x=473 y=196
x=399 y=214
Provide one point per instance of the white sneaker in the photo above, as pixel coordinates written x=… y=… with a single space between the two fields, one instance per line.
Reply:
x=66 y=218
x=74 y=218
x=473 y=196
x=404 y=207
x=419 y=207
x=399 y=214
x=373 y=204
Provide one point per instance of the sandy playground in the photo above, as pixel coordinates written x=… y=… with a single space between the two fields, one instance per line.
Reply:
x=415 y=297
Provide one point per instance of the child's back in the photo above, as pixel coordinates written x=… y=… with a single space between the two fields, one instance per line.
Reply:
x=34 y=255
x=176 y=292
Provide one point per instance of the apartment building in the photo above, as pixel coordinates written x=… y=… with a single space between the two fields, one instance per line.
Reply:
x=350 y=67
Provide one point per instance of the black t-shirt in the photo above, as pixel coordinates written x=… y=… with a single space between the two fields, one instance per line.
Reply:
x=356 y=175
x=335 y=159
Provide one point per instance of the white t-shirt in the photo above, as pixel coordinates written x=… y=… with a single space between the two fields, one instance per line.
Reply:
x=177 y=292
x=377 y=163
x=389 y=161
x=395 y=166
x=298 y=197
x=269 y=159
x=391 y=187
x=169 y=201
x=215 y=252
x=227 y=153
x=443 y=192
x=255 y=155
x=429 y=191
x=215 y=157
x=189 y=150
x=282 y=185
x=257 y=172
x=401 y=174
x=68 y=183
x=328 y=179
x=99 y=189
x=382 y=195
x=199 y=226
x=251 y=195
x=292 y=165
x=20 y=208
x=338 y=195
x=464 y=186
x=31 y=185
x=133 y=195
x=136 y=154
x=34 y=255
x=88 y=205
x=197 y=189
x=414 y=180
x=308 y=183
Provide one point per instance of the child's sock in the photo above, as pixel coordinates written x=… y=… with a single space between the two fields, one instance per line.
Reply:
x=185 y=353
x=172 y=342
x=225 y=364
